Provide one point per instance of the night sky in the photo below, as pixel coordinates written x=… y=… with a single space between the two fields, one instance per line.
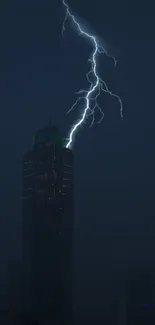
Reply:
x=114 y=161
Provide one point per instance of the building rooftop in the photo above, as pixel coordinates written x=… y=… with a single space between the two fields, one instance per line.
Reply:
x=47 y=134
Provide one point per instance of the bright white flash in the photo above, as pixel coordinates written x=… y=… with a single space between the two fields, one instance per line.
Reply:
x=91 y=95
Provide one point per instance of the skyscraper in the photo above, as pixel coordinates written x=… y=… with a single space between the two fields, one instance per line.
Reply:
x=48 y=227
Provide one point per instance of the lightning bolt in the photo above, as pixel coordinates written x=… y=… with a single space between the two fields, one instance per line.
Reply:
x=97 y=86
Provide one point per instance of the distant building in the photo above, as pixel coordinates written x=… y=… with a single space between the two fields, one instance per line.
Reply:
x=48 y=228
x=140 y=308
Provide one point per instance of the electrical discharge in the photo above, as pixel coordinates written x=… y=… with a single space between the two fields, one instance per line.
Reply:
x=97 y=86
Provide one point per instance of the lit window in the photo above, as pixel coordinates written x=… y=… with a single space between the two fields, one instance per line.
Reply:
x=42 y=177
x=29 y=175
x=28 y=189
x=66 y=179
x=67 y=172
x=28 y=162
x=66 y=165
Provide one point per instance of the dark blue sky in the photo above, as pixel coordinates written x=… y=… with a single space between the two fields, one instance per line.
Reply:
x=114 y=161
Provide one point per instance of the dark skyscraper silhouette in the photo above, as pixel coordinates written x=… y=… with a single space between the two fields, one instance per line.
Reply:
x=48 y=228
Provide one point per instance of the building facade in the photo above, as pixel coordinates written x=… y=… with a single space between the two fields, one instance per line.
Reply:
x=48 y=228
